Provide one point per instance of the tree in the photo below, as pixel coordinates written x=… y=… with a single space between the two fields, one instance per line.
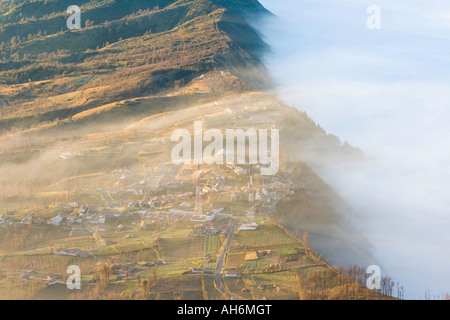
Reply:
x=146 y=288
x=305 y=240
x=138 y=278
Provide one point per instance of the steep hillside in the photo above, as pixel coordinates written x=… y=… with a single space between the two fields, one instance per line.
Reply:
x=49 y=72
x=132 y=60
x=86 y=118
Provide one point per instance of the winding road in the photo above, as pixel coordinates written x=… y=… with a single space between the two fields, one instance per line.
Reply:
x=221 y=265
x=147 y=243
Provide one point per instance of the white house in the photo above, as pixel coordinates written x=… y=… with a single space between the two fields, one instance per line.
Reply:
x=210 y=216
x=248 y=227
x=185 y=204
x=100 y=228
x=71 y=218
x=240 y=171
x=56 y=221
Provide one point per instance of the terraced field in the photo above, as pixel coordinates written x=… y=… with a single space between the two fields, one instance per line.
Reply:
x=182 y=249
x=267 y=235
x=212 y=245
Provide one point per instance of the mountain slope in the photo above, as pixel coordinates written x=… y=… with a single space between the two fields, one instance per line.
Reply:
x=138 y=59
x=76 y=106
x=150 y=45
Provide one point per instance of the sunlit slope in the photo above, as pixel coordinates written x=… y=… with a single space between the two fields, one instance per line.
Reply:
x=76 y=105
x=127 y=49
x=129 y=133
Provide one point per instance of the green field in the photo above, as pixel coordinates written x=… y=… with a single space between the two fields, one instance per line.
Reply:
x=212 y=245
x=234 y=261
x=286 y=282
x=287 y=252
x=267 y=235
x=173 y=268
x=182 y=249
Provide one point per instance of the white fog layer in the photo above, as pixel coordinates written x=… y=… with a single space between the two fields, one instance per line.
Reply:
x=386 y=92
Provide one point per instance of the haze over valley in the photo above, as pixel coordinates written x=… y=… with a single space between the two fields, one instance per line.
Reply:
x=386 y=92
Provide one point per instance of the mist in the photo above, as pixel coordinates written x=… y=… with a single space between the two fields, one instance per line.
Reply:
x=386 y=92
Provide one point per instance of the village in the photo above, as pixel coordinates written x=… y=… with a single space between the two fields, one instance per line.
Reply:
x=160 y=198
x=209 y=200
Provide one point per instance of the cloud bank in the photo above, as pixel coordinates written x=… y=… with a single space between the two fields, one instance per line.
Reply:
x=386 y=92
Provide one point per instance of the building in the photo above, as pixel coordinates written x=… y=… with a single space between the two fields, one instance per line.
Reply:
x=240 y=171
x=101 y=227
x=233 y=274
x=84 y=208
x=67 y=252
x=73 y=204
x=50 y=281
x=210 y=216
x=71 y=218
x=134 y=204
x=248 y=227
x=185 y=205
x=98 y=219
x=56 y=221
x=28 y=219
x=196 y=271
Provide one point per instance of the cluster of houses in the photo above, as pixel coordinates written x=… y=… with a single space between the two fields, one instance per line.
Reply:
x=159 y=201
x=71 y=253
x=168 y=208
x=223 y=223
x=215 y=184
x=126 y=175
x=48 y=280
x=82 y=221
x=30 y=219
x=123 y=271
x=74 y=217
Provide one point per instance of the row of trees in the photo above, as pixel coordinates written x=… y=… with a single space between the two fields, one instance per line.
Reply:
x=328 y=284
